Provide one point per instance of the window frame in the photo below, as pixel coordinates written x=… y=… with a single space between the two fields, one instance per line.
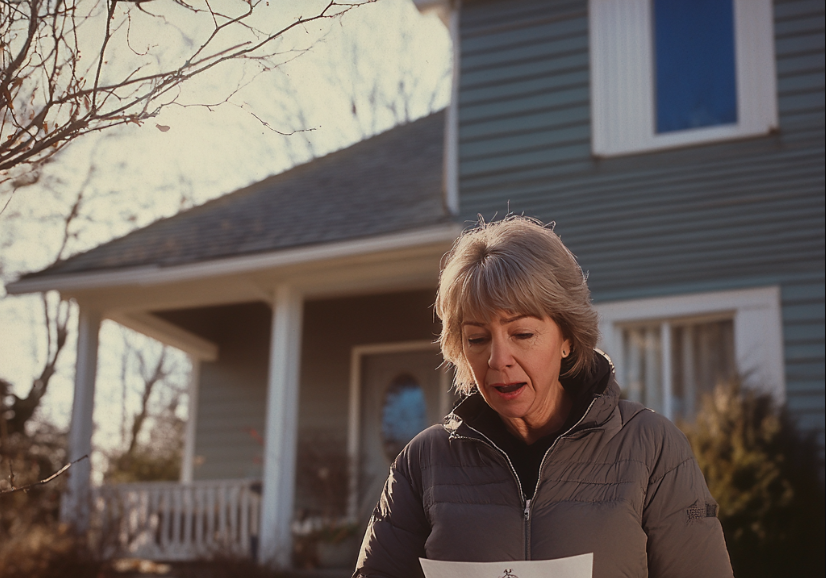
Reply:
x=758 y=332
x=622 y=79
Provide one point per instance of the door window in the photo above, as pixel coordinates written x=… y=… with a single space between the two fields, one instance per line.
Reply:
x=404 y=414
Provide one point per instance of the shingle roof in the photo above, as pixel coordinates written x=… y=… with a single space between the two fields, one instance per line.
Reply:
x=388 y=183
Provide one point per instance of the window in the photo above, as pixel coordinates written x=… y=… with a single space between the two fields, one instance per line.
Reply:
x=668 y=351
x=669 y=73
x=669 y=364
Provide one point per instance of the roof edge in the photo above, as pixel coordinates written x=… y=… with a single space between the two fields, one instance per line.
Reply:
x=156 y=275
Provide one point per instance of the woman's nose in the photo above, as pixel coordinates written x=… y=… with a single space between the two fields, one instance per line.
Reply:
x=500 y=355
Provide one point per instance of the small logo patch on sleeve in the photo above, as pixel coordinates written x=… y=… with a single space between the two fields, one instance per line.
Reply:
x=702 y=511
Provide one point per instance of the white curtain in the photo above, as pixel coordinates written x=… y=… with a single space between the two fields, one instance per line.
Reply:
x=701 y=355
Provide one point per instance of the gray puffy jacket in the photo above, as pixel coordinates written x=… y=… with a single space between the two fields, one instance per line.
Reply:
x=621 y=483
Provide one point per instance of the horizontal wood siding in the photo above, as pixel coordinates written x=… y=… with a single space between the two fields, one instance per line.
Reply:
x=232 y=394
x=728 y=215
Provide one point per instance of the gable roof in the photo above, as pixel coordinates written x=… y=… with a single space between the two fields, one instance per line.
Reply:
x=387 y=184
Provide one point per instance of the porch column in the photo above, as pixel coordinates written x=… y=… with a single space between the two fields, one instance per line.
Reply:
x=188 y=462
x=75 y=504
x=281 y=428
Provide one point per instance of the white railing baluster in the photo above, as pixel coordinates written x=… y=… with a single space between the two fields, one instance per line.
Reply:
x=200 y=507
x=222 y=517
x=153 y=523
x=233 y=517
x=166 y=519
x=177 y=531
x=210 y=518
x=243 y=527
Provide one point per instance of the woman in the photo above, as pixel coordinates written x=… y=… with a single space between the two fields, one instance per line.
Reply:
x=542 y=459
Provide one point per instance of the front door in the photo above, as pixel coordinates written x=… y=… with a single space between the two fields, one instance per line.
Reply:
x=402 y=393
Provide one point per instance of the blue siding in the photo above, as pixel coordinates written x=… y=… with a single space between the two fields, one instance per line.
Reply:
x=721 y=216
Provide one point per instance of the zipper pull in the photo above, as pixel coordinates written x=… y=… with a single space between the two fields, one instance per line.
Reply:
x=527 y=510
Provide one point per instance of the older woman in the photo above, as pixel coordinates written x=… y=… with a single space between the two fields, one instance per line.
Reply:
x=541 y=459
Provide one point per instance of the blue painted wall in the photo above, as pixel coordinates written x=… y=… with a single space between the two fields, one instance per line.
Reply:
x=740 y=214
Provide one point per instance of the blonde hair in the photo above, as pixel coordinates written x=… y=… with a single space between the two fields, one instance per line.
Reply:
x=517 y=265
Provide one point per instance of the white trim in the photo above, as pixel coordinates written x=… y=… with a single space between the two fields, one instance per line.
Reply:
x=167 y=333
x=622 y=78
x=758 y=328
x=75 y=505
x=354 y=425
x=451 y=160
x=281 y=428
x=155 y=275
x=188 y=458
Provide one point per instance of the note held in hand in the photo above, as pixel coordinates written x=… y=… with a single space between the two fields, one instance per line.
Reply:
x=574 y=567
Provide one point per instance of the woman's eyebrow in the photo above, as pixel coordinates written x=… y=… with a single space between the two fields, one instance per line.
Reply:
x=504 y=321
x=515 y=318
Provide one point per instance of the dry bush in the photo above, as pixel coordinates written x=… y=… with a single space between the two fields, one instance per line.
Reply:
x=32 y=543
x=766 y=476
x=47 y=551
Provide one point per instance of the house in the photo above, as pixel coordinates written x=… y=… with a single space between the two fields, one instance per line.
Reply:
x=679 y=147
x=690 y=189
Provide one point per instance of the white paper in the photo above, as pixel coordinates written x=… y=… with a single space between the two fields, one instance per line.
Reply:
x=574 y=567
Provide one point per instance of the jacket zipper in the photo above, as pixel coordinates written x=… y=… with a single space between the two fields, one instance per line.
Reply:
x=526 y=503
x=527 y=530
x=553 y=446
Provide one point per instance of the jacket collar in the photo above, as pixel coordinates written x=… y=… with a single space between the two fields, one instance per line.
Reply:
x=595 y=400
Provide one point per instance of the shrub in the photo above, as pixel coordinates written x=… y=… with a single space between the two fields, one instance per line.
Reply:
x=47 y=551
x=766 y=476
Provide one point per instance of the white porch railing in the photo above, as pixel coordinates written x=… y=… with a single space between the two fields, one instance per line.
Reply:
x=176 y=522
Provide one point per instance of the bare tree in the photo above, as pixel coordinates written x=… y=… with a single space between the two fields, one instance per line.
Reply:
x=57 y=314
x=381 y=89
x=73 y=67
x=157 y=376
x=377 y=80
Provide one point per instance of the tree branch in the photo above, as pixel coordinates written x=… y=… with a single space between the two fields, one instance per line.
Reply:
x=55 y=475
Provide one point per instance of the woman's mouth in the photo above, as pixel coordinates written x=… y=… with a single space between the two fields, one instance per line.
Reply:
x=508 y=390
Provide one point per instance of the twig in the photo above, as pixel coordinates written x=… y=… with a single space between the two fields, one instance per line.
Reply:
x=28 y=487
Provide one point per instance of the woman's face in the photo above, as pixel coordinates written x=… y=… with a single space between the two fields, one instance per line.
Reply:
x=516 y=360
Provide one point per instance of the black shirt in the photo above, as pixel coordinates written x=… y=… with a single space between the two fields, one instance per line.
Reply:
x=527 y=459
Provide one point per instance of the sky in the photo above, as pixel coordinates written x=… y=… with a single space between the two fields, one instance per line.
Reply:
x=342 y=81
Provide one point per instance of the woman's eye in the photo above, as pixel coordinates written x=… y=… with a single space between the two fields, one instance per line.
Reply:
x=523 y=335
x=475 y=340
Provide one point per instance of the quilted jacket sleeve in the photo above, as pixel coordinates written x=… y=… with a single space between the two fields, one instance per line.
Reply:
x=685 y=539
x=396 y=533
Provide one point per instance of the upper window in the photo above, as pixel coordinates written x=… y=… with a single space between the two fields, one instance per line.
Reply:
x=668 y=73
x=668 y=351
